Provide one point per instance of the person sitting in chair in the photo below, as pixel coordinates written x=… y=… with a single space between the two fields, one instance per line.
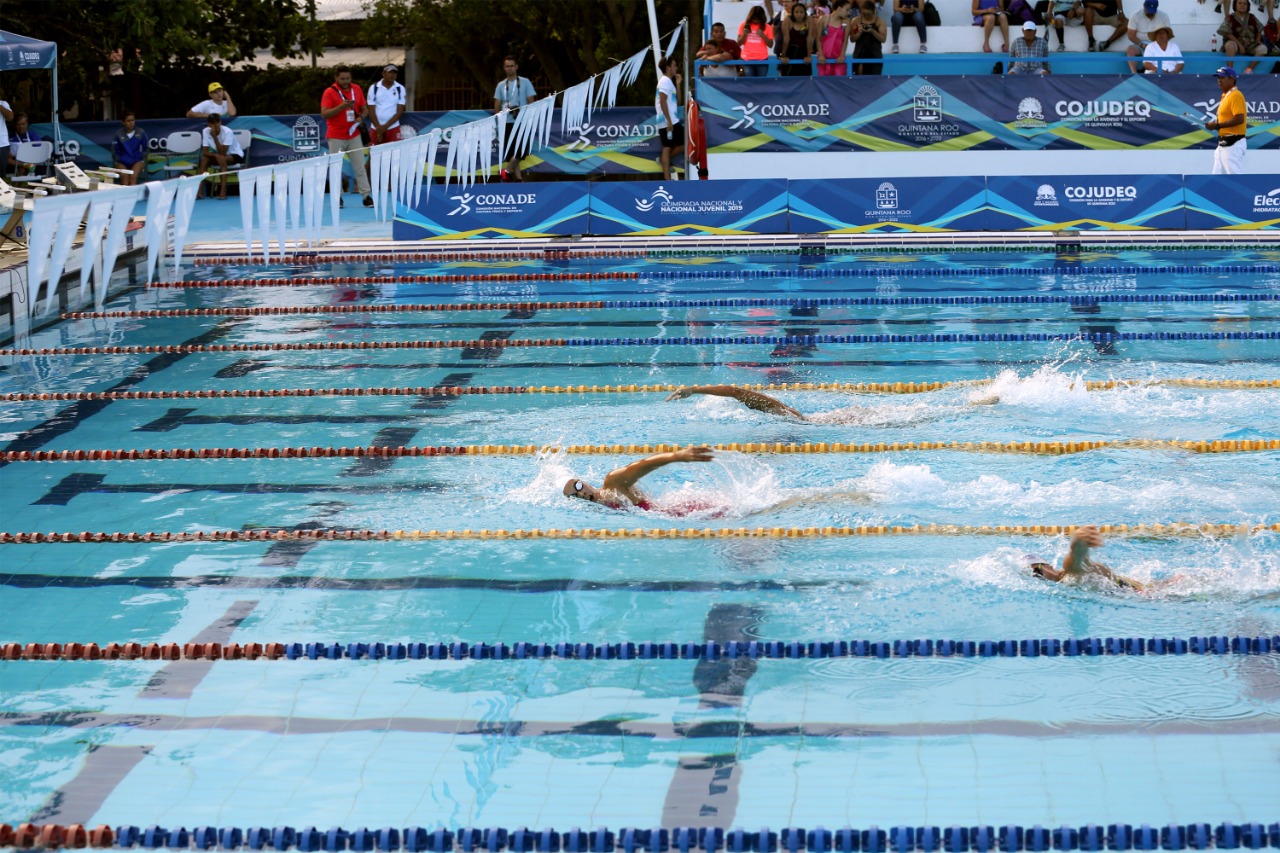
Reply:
x=219 y=147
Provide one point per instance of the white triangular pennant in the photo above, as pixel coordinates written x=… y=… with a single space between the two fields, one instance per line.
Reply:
x=264 y=212
x=335 y=189
x=44 y=226
x=248 y=182
x=99 y=215
x=184 y=201
x=159 y=199
x=293 y=175
x=69 y=217
x=124 y=200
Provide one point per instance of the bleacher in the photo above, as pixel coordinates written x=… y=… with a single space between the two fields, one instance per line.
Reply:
x=955 y=47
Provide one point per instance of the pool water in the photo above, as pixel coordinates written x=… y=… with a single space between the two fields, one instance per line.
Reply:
x=648 y=743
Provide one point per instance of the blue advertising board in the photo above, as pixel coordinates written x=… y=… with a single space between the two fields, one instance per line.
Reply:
x=1232 y=201
x=862 y=205
x=494 y=210
x=1078 y=203
x=667 y=208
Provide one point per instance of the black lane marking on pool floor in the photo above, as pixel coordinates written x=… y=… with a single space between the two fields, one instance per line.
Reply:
x=289 y=553
x=67 y=419
x=438 y=398
x=104 y=768
x=371 y=466
x=177 y=680
x=175 y=418
x=532 y=587
x=612 y=728
x=75 y=485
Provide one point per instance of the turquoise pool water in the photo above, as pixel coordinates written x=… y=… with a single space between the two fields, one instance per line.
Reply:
x=564 y=743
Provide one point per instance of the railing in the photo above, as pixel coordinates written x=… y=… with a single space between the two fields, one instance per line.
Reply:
x=1202 y=62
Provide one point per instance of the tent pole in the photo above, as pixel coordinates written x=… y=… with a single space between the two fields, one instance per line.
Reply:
x=57 y=130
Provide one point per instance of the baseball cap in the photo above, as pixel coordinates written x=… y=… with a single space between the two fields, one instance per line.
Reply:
x=1224 y=71
x=1029 y=25
x=1151 y=5
x=213 y=87
x=391 y=68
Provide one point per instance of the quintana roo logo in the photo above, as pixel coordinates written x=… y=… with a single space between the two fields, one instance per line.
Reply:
x=748 y=119
x=644 y=205
x=464 y=204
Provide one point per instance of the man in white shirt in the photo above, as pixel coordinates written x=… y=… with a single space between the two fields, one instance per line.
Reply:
x=387 y=98
x=6 y=116
x=667 y=105
x=1162 y=56
x=512 y=93
x=218 y=102
x=1141 y=26
x=219 y=147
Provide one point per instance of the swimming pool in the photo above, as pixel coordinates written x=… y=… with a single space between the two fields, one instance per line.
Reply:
x=1030 y=346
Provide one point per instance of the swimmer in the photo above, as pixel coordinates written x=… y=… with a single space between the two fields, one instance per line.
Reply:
x=618 y=491
x=773 y=406
x=1076 y=565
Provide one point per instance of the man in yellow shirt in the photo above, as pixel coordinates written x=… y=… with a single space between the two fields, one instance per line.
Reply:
x=1228 y=157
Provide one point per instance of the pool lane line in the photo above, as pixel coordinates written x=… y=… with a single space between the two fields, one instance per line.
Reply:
x=444 y=390
x=75 y=485
x=387 y=451
x=621 y=304
x=180 y=680
x=1156 y=530
x=105 y=766
x=69 y=418
x=722 y=340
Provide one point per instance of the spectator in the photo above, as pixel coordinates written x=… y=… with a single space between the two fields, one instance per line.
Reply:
x=719 y=49
x=1162 y=56
x=755 y=37
x=387 y=99
x=219 y=147
x=1066 y=12
x=6 y=116
x=344 y=109
x=1232 y=125
x=868 y=34
x=18 y=135
x=797 y=43
x=667 y=105
x=219 y=102
x=512 y=93
x=988 y=14
x=909 y=12
x=129 y=149
x=1242 y=35
x=1141 y=27
x=1029 y=47
x=1107 y=13
x=833 y=39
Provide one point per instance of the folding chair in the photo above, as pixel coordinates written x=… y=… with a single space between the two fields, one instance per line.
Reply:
x=37 y=154
x=184 y=143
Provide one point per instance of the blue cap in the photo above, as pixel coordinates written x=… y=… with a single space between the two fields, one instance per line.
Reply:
x=1151 y=5
x=1224 y=71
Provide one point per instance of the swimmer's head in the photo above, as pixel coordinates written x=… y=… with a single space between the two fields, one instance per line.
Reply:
x=1037 y=565
x=575 y=488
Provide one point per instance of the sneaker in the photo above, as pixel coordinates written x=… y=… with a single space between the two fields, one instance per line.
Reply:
x=1093 y=46
x=895 y=49
x=342 y=202
x=505 y=177
x=1061 y=47
x=924 y=48
x=368 y=201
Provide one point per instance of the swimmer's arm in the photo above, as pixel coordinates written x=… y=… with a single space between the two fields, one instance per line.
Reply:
x=750 y=399
x=622 y=479
x=1077 y=563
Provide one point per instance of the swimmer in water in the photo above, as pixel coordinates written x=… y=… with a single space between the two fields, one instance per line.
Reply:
x=1076 y=565
x=619 y=491
x=773 y=406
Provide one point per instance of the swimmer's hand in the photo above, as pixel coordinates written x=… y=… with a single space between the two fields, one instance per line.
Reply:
x=681 y=393
x=702 y=453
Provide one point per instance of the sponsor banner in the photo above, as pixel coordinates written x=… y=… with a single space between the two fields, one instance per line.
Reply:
x=861 y=205
x=953 y=113
x=1098 y=202
x=495 y=210
x=670 y=208
x=617 y=141
x=1246 y=202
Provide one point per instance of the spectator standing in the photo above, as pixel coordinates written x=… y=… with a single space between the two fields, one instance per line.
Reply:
x=512 y=93
x=344 y=109
x=797 y=46
x=1140 y=28
x=129 y=148
x=1107 y=13
x=909 y=12
x=218 y=102
x=834 y=39
x=1232 y=124
x=868 y=34
x=1066 y=12
x=719 y=49
x=1162 y=56
x=667 y=105
x=989 y=14
x=1242 y=35
x=6 y=116
x=1029 y=47
x=219 y=147
x=755 y=37
x=18 y=135
x=387 y=97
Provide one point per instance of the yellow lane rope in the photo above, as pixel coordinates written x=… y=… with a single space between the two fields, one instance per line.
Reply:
x=1171 y=530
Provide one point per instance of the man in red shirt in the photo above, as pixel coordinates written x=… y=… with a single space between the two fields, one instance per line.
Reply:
x=344 y=109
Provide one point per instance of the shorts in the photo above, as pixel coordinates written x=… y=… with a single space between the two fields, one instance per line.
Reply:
x=1107 y=20
x=232 y=159
x=391 y=134
x=674 y=138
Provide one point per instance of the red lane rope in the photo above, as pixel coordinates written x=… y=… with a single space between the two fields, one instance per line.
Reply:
x=313 y=347
x=272 y=310
x=433 y=257
x=139 y=651
x=256 y=393
x=299 y=281
x=380 y=451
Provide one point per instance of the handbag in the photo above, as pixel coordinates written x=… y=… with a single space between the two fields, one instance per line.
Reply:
x=931 y=16
x=364 y=133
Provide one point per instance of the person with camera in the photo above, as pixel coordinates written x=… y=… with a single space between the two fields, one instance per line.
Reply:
x=512 y=93
x=868 y=33
x=344 y=108
x=667 y=105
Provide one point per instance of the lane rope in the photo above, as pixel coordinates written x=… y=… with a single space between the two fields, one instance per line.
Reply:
x=753 y=649
x=734 y=340
x=742 y=302
x=1010 y=838
x=1039 y=448
x=480 y=390
x=1171 y=530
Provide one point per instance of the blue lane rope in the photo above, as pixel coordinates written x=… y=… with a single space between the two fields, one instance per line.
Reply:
x=866 y=271
x=898 y=839
x=887 y=301
x=923 y=338
x=777 y=649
